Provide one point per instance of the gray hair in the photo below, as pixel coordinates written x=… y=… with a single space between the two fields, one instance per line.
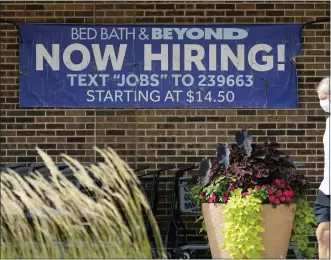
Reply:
x=324 y=85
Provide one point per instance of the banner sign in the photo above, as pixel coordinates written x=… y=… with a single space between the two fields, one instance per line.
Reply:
x=159 y=66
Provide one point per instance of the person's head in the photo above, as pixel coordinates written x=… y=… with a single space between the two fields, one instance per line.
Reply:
x=323 y=91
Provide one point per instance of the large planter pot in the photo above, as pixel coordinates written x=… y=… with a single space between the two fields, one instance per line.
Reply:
x=277 y=222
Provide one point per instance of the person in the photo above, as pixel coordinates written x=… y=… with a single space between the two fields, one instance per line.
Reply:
x=322 y=204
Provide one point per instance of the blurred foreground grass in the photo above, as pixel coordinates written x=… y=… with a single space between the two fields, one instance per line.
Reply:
x=66 y=223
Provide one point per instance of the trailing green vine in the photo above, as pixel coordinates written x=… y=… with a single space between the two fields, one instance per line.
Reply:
x=304 y=225
x=203 y=226
x=241 y=226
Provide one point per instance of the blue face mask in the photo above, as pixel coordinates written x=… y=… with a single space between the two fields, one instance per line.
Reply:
x=325 y=105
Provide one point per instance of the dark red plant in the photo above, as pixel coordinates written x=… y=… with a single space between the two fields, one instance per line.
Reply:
x=256 y=165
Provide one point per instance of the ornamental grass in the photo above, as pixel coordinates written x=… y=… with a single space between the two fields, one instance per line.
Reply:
x=53 y=218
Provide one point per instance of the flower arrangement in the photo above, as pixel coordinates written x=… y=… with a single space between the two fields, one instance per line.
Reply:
x=277 y=193
x=263 y=175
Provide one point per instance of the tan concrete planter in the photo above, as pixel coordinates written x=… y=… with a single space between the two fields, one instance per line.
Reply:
x=277 y=222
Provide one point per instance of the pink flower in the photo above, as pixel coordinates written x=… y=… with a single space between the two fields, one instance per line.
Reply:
x=265 y=187
x=277 y=201
x=271 y=198
x=282 y=198
x=278 y=181
x=288 y=193
x=271 y=191
x=282 y=185
x=212 y=198
x=244 y=194
x=288 y=199
x=279 y=193
x=202 y=195
x=258 y=187
x=225 y=199
x=231 y=188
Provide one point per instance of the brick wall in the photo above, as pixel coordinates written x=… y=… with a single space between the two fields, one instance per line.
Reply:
x=165 y=136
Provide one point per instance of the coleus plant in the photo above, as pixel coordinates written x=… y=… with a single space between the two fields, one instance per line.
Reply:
x=253 y=165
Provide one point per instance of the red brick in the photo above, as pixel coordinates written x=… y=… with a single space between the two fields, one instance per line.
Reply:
x=247 y=6
x=56 y=6
x=304 y=6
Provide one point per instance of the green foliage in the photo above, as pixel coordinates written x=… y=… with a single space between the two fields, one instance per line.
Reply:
x=261 y=194
x=215 y=192
x=241 y=226
x=194 y=194
x=203 y=226
x=304 y=225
